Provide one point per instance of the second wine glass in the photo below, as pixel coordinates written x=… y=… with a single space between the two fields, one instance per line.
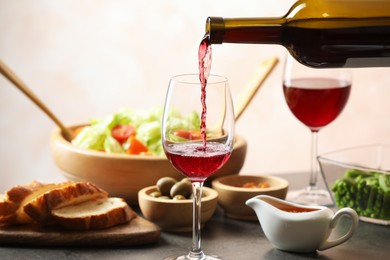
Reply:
x=316 y=97
x=198 y=137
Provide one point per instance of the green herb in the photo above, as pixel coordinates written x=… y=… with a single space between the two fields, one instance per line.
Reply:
x=366 y=192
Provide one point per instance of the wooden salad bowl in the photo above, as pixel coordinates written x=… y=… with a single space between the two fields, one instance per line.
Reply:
x=124 y=175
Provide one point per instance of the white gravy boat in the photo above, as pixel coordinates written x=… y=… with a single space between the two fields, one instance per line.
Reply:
x=297 y=228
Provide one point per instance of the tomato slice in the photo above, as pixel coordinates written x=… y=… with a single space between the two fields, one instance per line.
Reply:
x=136 y=146
x=188 y=134
x=122 y=132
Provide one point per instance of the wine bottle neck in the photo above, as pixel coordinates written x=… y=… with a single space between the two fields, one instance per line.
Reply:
x=244 y=30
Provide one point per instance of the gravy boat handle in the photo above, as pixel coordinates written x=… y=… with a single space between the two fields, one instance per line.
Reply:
x=334 y=222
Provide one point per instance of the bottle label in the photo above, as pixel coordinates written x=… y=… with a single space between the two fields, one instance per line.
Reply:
x=367 y=62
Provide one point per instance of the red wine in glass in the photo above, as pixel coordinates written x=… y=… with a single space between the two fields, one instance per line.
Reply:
x=194 y=161
x=316 y=97
x=316 y=101
x=196 y=158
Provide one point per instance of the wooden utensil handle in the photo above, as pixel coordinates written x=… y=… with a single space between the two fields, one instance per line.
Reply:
x=13 y=78
x=254 y=85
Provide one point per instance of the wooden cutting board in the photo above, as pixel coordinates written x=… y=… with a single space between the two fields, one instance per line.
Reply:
x=138 y=232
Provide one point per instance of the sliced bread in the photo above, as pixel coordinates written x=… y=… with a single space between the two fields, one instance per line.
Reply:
x=6 y=206
x=20 y=195
x=94 y=214
x=40 y=207
x=11 y=200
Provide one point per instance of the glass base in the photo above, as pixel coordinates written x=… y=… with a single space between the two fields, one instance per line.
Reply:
x=309 y=196
x=188 y=257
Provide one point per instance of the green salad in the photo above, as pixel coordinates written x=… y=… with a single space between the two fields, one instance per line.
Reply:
x=131 y=132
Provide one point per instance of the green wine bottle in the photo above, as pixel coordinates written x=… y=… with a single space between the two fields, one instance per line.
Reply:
x=317 y=33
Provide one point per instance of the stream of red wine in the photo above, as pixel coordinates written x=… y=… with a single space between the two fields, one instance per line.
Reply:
x=204 y=56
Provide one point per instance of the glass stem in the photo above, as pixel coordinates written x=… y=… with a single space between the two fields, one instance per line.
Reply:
x=196 y=250
x=314 y=163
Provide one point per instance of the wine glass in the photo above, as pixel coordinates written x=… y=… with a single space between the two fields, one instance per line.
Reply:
x=198 y=137
x=316 y=97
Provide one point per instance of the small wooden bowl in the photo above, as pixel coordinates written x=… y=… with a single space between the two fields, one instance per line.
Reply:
x=175 y=215
x=124 y=175
x=232 y=196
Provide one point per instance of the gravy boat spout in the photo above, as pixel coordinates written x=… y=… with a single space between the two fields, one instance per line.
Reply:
x=299 y=228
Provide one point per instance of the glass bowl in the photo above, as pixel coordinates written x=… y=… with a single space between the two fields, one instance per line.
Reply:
x=359 y=178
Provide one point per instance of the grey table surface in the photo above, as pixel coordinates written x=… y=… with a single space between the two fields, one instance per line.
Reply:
x=227 y=238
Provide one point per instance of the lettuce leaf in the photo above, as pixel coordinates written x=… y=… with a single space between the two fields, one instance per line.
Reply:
x=97 y=136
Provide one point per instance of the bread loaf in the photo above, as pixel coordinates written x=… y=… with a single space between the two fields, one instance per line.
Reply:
x=17 y=197
x=40 y=207
x=77 y=206
x=94 y=214
x=6 y=207
x=11 y=201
